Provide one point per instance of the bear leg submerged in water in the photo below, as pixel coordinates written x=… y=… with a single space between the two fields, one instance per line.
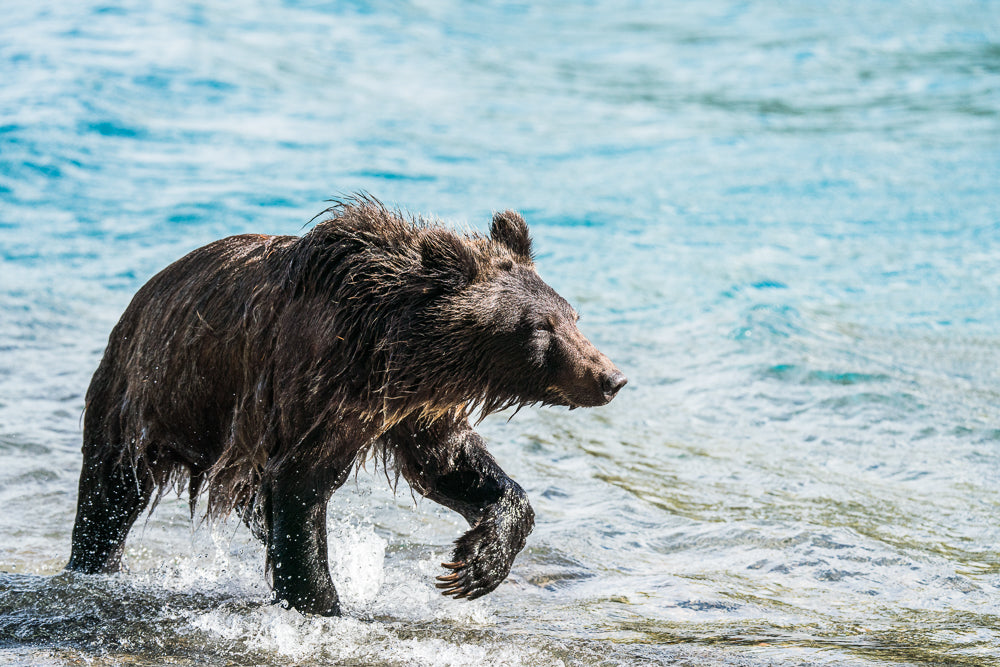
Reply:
x=262 y=368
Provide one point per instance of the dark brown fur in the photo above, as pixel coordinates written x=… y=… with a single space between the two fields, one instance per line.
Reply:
x=261 y=368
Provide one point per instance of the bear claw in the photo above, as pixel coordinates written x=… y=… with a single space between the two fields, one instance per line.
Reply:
x=460 y=584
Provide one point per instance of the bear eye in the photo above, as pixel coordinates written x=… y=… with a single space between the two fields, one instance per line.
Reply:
x=547 y=324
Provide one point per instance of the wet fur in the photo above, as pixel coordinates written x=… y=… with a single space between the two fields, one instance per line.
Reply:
x=263 y=368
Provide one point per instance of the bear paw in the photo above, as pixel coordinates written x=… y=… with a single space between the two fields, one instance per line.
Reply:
x=481 y=561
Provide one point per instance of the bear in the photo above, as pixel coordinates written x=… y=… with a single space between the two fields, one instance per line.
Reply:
x=260 y=370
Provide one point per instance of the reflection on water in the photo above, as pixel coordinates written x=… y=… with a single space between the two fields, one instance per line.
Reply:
x=780 y=222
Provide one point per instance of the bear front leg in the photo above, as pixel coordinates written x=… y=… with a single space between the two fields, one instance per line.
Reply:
x=296 y=546
x=484 y=555
x=449 y=463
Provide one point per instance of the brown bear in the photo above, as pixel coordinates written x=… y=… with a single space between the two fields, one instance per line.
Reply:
x=262 y=368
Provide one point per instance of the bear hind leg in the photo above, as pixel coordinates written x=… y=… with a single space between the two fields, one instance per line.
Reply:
x=112 y=494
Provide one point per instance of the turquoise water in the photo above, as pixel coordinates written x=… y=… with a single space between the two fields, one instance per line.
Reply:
x=781 y=220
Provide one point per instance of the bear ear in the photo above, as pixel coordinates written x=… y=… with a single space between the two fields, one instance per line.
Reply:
x=447 y=259
x=510 y=229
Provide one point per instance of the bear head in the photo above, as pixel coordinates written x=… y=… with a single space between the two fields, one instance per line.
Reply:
x=509 y=329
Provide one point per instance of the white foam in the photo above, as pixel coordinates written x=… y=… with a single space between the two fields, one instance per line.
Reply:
x=290 y=635
x=357 y=556
x=409 y=593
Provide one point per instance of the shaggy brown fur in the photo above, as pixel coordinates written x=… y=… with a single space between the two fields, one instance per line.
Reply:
x=261 y=368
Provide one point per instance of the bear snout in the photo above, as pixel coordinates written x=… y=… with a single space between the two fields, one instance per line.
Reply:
x=587 y=378
x=612 y=382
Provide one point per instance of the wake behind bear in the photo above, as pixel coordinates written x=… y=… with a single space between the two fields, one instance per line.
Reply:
x=262 y=368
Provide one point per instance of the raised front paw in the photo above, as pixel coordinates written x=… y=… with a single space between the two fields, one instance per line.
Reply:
x=479 y=563
x=483 y=556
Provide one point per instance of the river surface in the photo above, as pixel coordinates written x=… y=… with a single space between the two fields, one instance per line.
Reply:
x=781 y=220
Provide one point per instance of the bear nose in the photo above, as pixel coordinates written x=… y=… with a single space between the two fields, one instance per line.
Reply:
x=612 y=383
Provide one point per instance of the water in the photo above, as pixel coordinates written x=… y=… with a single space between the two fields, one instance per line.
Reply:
x=783 y=222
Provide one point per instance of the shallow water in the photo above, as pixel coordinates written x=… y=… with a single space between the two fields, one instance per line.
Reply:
x=782 y=222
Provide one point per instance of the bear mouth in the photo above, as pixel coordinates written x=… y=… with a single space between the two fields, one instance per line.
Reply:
x=557 y=396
